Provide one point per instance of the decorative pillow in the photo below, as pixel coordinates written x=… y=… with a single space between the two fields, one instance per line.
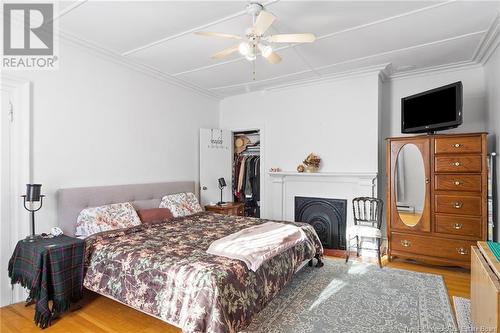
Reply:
x=181 y=204
x=109 y=217
x=154 y=215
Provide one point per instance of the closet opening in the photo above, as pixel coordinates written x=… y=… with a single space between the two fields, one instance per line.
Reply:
x=246 y=170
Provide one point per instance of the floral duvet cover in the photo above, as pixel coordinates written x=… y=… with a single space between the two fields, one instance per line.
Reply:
x=163 y=269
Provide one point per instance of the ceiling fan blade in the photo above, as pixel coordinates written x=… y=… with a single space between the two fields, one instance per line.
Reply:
x=224 y=53
x=291 y=38
x=217 y=34
x=274 y=58
x=263 y=22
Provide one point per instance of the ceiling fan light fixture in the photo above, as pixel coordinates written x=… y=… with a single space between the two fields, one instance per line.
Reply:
x=250 y=56
x=244 y=48
x=265 y=50
x=256 y=41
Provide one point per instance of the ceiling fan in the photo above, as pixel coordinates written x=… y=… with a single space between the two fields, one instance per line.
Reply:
x=255 y=41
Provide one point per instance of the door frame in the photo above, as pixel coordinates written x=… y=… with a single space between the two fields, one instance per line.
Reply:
x=263 y=175
x=21 y=163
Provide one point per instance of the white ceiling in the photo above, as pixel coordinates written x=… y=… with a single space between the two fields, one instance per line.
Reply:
x=410 y=35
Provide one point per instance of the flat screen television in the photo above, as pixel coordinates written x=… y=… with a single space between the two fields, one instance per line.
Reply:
x=432 y=110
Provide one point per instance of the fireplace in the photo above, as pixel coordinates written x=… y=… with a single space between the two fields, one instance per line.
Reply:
x=328 y=218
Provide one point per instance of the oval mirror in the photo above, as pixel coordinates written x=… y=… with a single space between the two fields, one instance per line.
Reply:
x=409 y=184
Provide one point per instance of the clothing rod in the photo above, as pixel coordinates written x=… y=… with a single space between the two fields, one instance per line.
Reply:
x=246 y=132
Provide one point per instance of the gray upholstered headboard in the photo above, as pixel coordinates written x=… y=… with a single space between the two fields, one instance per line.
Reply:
x=71 y=201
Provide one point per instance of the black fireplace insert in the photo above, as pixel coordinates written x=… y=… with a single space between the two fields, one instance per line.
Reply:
x=328 y=218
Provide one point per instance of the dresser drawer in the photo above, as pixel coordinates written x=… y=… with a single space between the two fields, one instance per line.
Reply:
x=461 y=144
x=458 y=182
x=431 y=246
x=457 y=163
x=458 y=204
x=458 y=225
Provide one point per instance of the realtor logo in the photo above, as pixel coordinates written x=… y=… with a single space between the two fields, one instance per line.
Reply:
x=28 y=36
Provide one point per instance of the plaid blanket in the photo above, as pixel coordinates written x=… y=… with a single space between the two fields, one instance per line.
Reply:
x=52 y=269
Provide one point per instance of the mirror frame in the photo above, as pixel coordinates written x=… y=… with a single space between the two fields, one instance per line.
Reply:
x=411 y=151
x=423 y=145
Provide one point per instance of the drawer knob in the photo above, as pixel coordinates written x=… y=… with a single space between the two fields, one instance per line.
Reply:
x=457 y=145
x=463 y=251
x=406 y=243
x=455 y=164
x=457 y=205
x=457 y=226
x=457 y=182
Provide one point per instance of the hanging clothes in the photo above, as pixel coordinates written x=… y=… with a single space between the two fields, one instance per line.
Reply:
x=256 y=180
x=250 y=169
x=246 y=178
x=241 y=177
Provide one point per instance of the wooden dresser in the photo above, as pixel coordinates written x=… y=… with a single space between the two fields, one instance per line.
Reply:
x=437 y=197
x=229 y=208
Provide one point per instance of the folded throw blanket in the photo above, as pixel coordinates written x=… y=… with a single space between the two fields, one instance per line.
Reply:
x=257 y=244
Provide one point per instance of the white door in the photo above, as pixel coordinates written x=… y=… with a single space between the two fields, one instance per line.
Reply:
x=5 y=196
x=216 y=151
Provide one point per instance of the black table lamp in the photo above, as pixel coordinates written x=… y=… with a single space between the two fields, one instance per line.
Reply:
x=32 y=195
x=222 y=184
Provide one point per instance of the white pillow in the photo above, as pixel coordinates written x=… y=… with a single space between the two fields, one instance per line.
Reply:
x=109 y=217
x=181 y=204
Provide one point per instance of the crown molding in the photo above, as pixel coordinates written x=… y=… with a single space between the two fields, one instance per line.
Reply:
x=134 y=65
x=384 y=72
x=489 y=43
x=359 y=72
x=469 y=64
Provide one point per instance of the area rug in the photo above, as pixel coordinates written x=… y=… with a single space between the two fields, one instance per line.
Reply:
x=463 y=314
x=357 y=297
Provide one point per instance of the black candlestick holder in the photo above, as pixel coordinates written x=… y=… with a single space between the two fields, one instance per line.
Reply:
x=32 y=236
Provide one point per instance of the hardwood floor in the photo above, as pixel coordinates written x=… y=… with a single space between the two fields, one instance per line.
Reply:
x=100 y=314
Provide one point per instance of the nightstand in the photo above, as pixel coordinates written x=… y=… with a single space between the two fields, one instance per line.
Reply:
x=229 y=208
x=52 y=270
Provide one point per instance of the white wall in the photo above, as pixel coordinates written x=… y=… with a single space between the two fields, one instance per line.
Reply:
x=96 y=122
x=492 y=74
x=336 y=120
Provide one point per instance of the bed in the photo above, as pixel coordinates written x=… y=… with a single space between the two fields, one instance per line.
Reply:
x=163 y=270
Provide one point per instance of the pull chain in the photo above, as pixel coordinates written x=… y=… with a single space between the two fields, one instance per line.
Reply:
x=253 y=63
x=254 y=19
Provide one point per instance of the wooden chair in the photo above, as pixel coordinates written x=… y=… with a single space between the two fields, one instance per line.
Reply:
x=367 y=223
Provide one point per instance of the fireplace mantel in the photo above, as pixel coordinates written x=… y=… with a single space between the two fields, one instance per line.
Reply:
x=285 y=185
x=362 y=178
x=322 y=174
